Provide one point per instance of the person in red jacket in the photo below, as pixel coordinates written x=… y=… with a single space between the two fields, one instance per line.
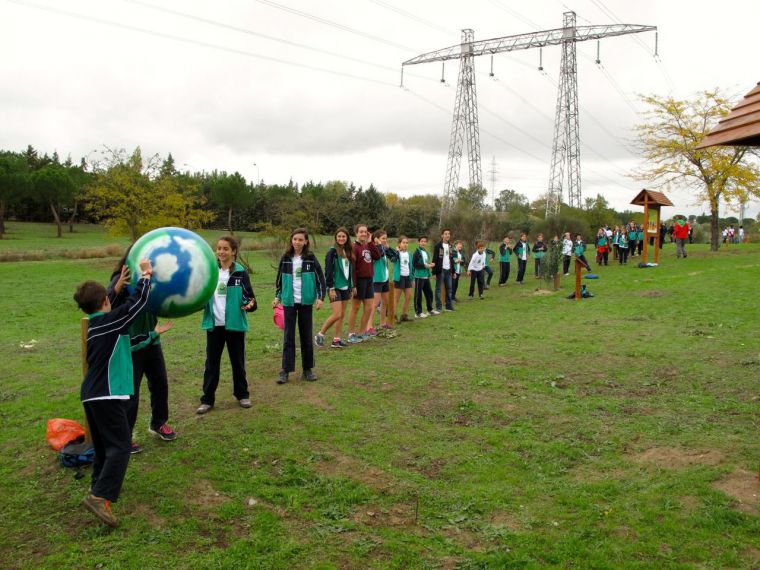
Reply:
x=365 y=253
x=681 y=233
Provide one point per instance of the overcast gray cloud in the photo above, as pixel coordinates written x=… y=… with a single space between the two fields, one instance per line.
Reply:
x=206 y=84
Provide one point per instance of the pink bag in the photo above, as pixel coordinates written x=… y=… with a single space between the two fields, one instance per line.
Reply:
x=279 y=317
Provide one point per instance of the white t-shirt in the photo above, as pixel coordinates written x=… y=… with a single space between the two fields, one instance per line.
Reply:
x=424 y=255
x=524 y=250
x=220 y=298
x=477 y=261
x=446 y=260
x=345 y=265
x=403 y=259
x=297 y=264
x=567 y=247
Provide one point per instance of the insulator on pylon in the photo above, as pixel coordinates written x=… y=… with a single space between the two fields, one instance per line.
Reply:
x=540 y=59
x=491 y=74
x=443 y=69
x=598 y=61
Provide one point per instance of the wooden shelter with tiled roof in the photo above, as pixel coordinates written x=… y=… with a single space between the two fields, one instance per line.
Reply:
x=741 y=127
x=651 y=200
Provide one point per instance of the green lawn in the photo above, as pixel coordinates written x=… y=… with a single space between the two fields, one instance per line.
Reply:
x=523 y=431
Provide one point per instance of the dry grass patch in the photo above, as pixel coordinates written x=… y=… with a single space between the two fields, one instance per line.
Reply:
x=742 y=486
x=351 y=468
x=677 y=458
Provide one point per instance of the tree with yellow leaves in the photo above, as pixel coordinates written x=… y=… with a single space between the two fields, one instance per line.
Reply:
x=668 y=137
x=131 y=197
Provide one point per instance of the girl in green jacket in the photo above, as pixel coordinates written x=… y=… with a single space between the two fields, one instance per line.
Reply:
x=225 y=322
x=299 y=286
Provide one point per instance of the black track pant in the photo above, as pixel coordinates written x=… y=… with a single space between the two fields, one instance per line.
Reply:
x=150 y=362
x=422 y=286
x=489 y=271
x=521 y=265
x=503 y=272
x=215 y=342
x=300 y=315
x=112 y=440
x=454 y=285
x=479 y=277
x=623 y=255
x=566 y=263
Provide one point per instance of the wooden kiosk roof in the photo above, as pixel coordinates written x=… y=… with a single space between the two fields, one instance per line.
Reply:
x=741 y=127
x=653 y=197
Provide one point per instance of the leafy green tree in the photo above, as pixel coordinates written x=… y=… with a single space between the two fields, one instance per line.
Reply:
x=229 y=192
x=473 y=196
x=511 y=201
x=15 y=182
x=668 y=138
x=54 y=187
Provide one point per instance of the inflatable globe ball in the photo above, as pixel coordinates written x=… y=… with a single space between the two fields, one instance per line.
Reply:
x=185 y=270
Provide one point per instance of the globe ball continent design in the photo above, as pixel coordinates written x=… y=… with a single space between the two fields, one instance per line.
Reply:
x=185 y=270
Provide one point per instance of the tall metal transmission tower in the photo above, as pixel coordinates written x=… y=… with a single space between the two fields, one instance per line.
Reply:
x=566 y=147
x=464 y=124
x=493 y=172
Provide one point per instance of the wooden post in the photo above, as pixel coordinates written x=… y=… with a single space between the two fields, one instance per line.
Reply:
x=646 y=228
x=391 y=308
x=578 y=271
x=84 y=326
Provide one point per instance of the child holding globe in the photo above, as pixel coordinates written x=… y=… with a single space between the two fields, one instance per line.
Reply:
x=299 y=286
x=147 y=359
x=225 y=322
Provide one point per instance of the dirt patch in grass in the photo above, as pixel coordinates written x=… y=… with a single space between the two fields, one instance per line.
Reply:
x=400 y=514
x=652 y=293
x=677 y=458
x=503 y=518
x=744 y=488
x=507 y=361
x=203 y=496
x=431 y=469
x=465 y=538
x=690 y=503
x=543 y=292
x=146 y=512
x=312 y=395
x=352 y=468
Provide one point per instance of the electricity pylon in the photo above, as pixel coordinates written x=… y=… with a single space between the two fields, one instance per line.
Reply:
x=566 y=147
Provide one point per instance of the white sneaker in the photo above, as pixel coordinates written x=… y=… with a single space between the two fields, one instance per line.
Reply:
x=435 y=313
x=423 y=315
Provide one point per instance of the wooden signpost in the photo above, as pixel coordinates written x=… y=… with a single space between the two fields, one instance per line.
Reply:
x=652 y=202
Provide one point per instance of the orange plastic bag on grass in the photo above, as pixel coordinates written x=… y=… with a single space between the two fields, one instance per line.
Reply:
x=61 y=431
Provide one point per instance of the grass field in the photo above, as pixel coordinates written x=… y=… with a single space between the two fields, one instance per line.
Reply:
x=524 y=431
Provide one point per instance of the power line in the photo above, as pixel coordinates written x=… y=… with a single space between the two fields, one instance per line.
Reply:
x=414 y=17
x=249 y=32
x=336 y=25
x=181 y=39
x=516 y=14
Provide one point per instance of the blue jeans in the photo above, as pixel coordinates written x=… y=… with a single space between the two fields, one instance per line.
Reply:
x=443 y=279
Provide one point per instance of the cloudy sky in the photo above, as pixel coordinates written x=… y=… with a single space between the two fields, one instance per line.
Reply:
x=280 y=89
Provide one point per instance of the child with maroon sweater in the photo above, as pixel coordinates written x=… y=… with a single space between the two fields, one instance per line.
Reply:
x=365 y=253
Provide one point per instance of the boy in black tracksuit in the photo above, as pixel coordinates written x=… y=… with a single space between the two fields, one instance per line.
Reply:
x=107 y=386
x=421 y=266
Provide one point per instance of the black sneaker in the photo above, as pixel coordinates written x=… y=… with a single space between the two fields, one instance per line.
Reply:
x=283 y=377
x=135 y=448
x=309 y=376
